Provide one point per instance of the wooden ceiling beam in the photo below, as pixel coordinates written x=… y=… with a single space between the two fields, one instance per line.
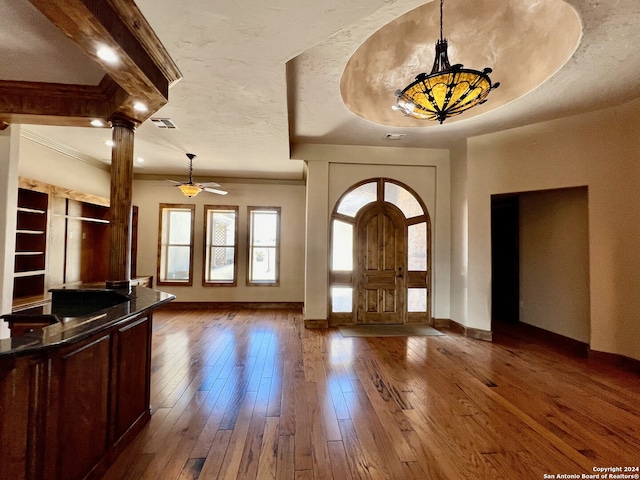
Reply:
x=143 y=73
x=135 y=21
x=71 y=105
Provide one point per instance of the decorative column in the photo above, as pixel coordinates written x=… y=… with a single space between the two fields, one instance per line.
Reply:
x=119 y=275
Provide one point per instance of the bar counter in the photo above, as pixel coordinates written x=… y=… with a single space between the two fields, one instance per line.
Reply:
x=74 y=393
x=77 y=318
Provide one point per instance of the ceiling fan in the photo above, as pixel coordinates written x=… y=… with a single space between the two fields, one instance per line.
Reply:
x=191 y=189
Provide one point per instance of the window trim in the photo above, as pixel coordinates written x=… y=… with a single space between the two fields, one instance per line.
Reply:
x=263 y=283
x=176 y=206
x=205 y=245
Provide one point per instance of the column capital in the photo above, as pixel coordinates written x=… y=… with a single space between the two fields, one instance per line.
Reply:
x=121 y=121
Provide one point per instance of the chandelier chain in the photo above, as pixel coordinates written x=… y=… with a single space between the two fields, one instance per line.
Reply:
x=441 y=36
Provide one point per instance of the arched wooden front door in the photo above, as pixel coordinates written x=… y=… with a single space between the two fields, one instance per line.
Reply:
x=381 y=265
x=380 y=261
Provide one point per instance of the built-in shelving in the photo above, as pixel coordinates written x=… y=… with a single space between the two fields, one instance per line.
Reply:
x=31 y=243
x=62 y=238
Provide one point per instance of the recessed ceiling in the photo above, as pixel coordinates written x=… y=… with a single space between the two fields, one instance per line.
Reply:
x=601 y=73
x=479 y=35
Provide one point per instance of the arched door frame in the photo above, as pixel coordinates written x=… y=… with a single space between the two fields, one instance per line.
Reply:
x=417 y=279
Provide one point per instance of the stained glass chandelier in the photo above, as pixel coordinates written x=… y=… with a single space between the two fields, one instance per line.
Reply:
x=447 y=91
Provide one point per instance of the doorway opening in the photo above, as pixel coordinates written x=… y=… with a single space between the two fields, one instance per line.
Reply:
x=540 y=266
x=380 y=261
x=505 y=259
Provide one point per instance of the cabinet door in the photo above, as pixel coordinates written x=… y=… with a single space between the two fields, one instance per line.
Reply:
x=79 y=431
x=15 y=396
x=132 y=383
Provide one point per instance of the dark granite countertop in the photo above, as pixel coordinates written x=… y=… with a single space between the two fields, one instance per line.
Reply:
x=76 y=324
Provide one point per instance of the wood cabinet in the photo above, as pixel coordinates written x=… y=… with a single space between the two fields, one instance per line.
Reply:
x=131 y=392
x=71 y=409
x=77 y=421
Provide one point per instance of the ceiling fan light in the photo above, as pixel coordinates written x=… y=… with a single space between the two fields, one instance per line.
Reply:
x=189 y=190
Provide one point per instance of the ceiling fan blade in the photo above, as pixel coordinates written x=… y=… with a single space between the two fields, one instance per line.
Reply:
x=213 y=190
x=174 y=182
x=210 y=184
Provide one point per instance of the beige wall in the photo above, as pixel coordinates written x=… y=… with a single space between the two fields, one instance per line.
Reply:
x=600 y=150
x=148 y=194
x=40 y=162
x=459 y=233
x=333 y=169
x=554 y=261
x=317 y=241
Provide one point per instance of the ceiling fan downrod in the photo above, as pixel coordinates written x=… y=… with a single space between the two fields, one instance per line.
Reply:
x=191 y=156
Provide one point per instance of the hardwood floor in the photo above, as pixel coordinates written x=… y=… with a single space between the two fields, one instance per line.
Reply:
x=252 y=394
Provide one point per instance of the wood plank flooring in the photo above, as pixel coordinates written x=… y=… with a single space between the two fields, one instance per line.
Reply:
x=251 y=394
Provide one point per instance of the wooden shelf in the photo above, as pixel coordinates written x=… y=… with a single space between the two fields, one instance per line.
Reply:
x=84 y=219
x=30 y=273
x=31 y=210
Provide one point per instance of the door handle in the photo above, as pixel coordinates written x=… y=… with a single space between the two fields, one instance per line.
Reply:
x=399 y=275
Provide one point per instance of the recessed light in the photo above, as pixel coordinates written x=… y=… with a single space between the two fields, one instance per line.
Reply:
x=107 y=54
x=96 y=122
x=140 y=160
x=140 y=107
x=109 y=143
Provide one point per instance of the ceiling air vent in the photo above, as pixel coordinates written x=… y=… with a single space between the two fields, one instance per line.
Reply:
x=163 y=123
x=395 y=136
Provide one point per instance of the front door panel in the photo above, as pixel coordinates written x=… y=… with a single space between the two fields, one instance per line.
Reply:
x=381 y=241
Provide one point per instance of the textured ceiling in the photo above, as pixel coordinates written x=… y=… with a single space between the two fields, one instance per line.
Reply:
x=33 y=49
x=258 y=76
